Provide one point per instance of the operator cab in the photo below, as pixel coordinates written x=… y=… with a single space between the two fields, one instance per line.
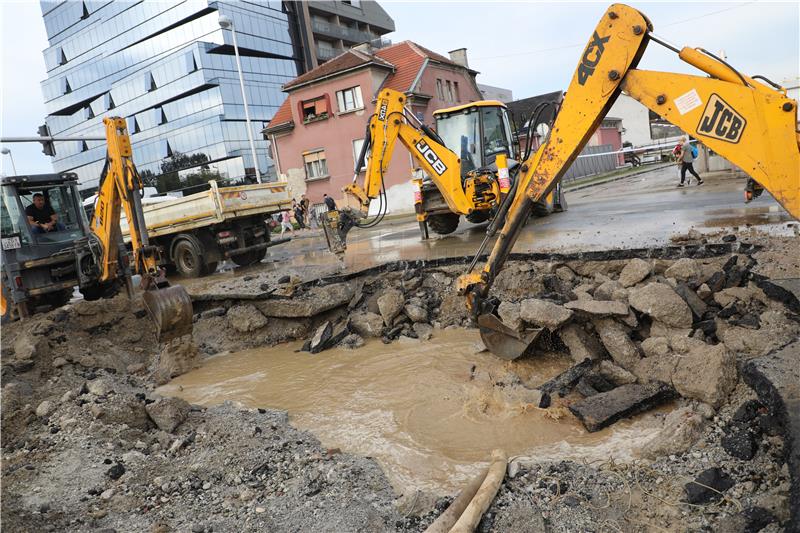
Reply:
x=47 y=193
x=477 y=132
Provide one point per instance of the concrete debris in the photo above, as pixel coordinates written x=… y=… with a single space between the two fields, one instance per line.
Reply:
x=544 y=314
x=424 y=331
x=509 y=313
x=168 y=413
x=317 y=300
x=634 y=272
x=45 y=408
x=616 y=340
x=352 y=342
x=692 y=299
x=390 y=303
x=599 y=308
x=246 y=318
x=28 y=347
x=367 y=324
x=655 y=346
x=662 y=303
x=608 y=289
x=581 y=344
x=615 y=374
x=601 y=410
x=681 y=429
x=416 y=313
x=707 y=373
x=565 y=273
x=684 y=269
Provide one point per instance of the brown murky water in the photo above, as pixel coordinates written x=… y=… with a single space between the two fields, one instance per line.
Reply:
x=419 y=408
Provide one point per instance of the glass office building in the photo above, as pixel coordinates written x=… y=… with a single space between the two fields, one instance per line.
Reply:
x=169 y=69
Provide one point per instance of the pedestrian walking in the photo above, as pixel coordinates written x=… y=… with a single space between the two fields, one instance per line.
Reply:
x=286 y=223
x=329 y=202
x=686 y=158
x=305 y=203
x=298 y=215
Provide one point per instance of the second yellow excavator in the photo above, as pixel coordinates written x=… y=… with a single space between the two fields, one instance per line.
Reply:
x=468 y=163
x=748 y=120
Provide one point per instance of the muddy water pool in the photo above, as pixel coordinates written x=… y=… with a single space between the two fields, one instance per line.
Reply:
x=428 y=411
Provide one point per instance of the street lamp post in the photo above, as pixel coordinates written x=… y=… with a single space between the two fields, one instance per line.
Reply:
x=7 y=151
x=226 y=23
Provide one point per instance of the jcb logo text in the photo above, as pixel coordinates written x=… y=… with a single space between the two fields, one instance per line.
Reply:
x=721 y=121
x=382 y=112
x=431 y=157
x=591 y=57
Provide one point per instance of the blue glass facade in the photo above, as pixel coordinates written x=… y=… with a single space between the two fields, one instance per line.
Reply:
x=169 y=69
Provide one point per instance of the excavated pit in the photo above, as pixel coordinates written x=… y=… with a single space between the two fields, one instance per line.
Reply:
x=381 y=364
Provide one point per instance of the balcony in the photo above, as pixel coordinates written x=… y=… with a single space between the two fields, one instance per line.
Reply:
x=325 y=54
x=340 y=32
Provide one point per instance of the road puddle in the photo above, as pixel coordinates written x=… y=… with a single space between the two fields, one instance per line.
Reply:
x=427 y=411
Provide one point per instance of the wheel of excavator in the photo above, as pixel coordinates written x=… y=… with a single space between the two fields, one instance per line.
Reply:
x=476 y=217
x=443 y=223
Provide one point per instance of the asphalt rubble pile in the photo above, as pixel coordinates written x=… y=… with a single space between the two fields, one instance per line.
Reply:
x=88 y=444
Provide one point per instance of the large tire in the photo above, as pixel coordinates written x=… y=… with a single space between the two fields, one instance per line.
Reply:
x=444 y=223
x=546 y=206
x=476 y=217
x=188 y=256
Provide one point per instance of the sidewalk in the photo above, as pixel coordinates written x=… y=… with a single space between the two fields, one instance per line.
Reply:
x=615 y=175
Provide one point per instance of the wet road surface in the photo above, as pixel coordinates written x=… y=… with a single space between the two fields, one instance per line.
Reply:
x=639 y=211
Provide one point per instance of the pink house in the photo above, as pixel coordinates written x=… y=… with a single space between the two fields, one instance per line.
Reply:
x=317 y=134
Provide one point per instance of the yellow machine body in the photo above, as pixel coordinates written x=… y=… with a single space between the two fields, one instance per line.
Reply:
x=748 y=122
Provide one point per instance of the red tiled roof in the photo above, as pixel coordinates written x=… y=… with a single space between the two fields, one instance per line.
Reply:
x=408 y=58
x=344 y=61
x=283 y=114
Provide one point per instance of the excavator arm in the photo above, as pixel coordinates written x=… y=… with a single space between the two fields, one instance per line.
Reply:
x=169 y=307
x=750 y=123
x=388 y=125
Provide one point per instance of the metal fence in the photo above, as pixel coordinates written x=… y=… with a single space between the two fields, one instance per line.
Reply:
x=590 y=166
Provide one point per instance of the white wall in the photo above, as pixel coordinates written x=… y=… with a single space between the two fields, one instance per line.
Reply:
x=635 y=120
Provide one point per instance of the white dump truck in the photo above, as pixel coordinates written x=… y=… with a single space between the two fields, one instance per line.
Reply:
x=199 y=230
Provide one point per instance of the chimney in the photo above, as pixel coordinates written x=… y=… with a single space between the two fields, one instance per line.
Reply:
x=459 y=55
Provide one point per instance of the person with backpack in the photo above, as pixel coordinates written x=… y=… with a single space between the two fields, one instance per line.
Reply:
x=686 y=156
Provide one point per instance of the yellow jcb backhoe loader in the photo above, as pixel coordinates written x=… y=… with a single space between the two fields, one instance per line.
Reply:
x=471 y=182
x=42 y=268
x=748 y=120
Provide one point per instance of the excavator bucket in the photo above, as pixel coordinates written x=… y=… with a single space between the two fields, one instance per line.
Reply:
x=505 y=342
x=170 y=308
x=337 y=243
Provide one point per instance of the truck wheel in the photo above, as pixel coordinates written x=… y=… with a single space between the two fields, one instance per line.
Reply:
x=476 y=217
x=188 y=259
x=250 y=258
x=443 y=223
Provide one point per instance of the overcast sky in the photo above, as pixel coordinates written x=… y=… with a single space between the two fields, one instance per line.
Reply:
x=528 y=47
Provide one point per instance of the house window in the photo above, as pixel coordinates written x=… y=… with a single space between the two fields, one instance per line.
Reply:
x=349 y=99
x=108 y=102
x=88 y=112
x=449 y=93
x=439 y=91
x=357 y=145
x=65 y=87
x=159 y=115
x=455 y=90
x=316 y=109
x=316 y=164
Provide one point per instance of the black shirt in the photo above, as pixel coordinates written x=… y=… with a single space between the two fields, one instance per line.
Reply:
x=330 y=203
x=41 y=216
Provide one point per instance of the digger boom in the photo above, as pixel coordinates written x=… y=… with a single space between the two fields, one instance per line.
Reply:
x=751 y=124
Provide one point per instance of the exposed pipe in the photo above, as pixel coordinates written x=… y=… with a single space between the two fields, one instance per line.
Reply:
x=447 y=519
x=483 y=499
